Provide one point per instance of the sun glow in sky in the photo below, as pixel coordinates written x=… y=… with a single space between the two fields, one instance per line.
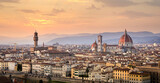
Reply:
x=20 y=18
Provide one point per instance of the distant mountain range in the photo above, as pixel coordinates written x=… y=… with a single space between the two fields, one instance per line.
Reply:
x=109 y=38
x=85 y=38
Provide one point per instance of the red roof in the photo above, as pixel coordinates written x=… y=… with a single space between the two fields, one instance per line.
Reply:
x=125 y=38
x=94 y=45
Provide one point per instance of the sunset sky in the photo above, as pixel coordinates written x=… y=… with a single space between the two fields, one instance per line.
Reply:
x=20 y=18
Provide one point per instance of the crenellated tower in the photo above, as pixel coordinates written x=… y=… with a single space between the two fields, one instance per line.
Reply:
x=35 y=38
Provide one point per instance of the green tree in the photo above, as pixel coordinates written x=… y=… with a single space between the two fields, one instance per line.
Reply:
x=40 y=81
x=25 y=78
x=10 y=77
x=49 y=79
x=87 y=71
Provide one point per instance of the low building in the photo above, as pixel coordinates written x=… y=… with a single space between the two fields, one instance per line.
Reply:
x=57 y=70
x=78 y=71
x=101 y=73
x=121 y=75
x=153 y=71
x=126 y=75
x=139 y=77
x=47 y=69
x=26 y=67
x=66 y=69
x=11 y=66
x=37 y=68
x=3 y=65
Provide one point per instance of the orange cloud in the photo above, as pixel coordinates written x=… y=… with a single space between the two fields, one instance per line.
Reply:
x=78 y=0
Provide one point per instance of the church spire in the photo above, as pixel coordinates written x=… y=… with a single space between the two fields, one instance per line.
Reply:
x=125 y=31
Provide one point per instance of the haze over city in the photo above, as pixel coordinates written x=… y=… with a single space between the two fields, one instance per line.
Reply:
x=20 y=18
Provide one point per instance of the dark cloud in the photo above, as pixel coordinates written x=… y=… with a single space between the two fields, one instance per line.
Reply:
x=29 y=11
x=134 y=14
x=55 y=11
x=154 y=3
x=117 y=3
x=93 y=7
x=9 y=1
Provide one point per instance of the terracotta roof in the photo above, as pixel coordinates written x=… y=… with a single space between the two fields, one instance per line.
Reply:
x=94 y=44
x=122 y=69
x=140 y=73
x=112 y=45
x=125 y=38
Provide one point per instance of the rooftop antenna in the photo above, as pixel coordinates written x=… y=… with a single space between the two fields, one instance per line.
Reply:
x=43 y=44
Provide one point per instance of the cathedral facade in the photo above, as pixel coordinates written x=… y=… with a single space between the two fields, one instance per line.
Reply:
x=125 y=45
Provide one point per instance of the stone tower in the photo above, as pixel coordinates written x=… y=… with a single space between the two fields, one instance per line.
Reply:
x=104 y=47
x=35 y=38
x=99 y=43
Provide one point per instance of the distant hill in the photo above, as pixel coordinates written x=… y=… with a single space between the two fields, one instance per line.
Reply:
x=137 y=40
x=29 y=39
x=108 y=37
x=84 y=38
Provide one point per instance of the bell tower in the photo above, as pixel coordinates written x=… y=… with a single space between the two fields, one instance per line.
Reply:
x=35 y=38
x=99 y=43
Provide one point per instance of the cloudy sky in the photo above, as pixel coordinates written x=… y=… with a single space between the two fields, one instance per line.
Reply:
x=20 y=18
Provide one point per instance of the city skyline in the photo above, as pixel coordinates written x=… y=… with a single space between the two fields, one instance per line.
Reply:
x=80 y=41
x=20 y=18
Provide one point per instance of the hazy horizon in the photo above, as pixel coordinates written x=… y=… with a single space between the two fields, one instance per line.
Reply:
x=31 y=35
